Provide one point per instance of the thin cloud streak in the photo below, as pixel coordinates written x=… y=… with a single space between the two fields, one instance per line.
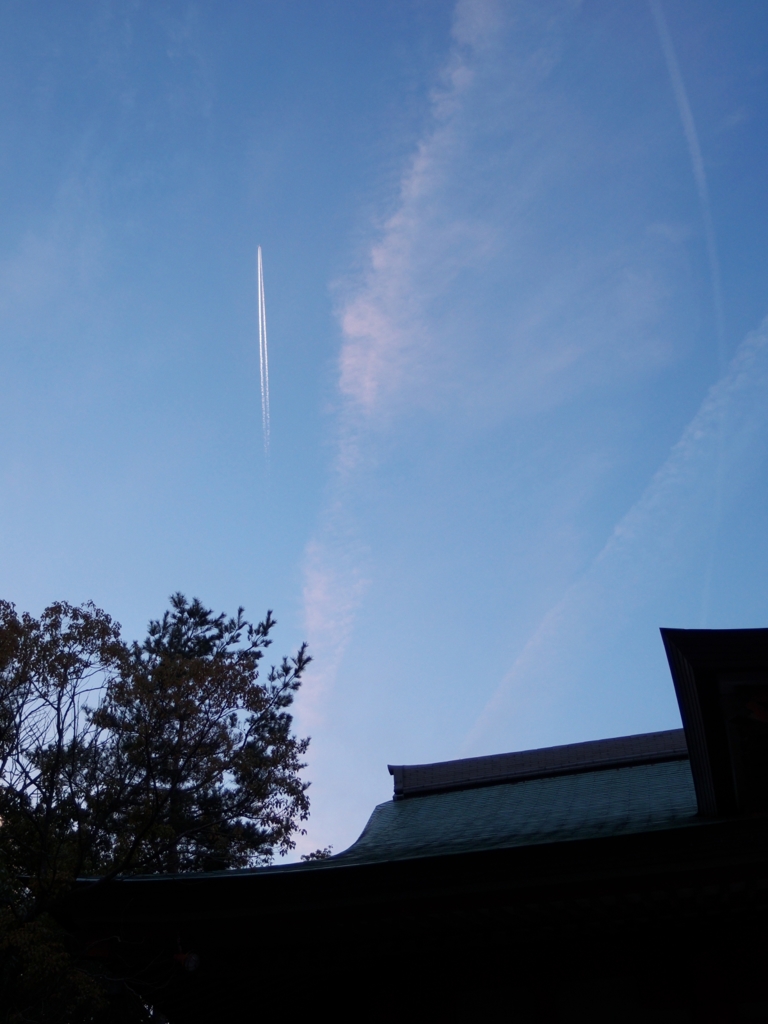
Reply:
x=333 y=588
x=697 y=164
x=699 y=174
x=384 y=327
x=650 y=546
x=578 y=312
x=385 y=337
x=423 y=330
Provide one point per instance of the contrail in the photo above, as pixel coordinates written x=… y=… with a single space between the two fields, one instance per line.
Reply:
x=697 y=163
x=692 y=138
x=263 y=357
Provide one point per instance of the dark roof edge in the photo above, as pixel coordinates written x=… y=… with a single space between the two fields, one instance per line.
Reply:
x=706 y=665
x=519 y=766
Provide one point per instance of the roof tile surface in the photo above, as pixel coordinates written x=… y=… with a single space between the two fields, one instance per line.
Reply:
x=585 y=805
x=419 y=779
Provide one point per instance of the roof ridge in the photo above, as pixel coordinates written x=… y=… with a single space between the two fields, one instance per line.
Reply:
x=566 y=759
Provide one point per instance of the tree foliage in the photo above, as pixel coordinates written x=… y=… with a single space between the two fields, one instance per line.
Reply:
x=54 y=812
x=168 y=755
x=203 y=767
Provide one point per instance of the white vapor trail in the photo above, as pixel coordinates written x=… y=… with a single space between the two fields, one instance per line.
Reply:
x=263 y=356
x=697 y=162
x=655 y=542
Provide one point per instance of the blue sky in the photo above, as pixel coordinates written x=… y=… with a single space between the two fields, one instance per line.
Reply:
x=516 y=272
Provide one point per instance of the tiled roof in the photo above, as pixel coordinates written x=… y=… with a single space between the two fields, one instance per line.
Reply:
x=585 y=805
x=652 y=747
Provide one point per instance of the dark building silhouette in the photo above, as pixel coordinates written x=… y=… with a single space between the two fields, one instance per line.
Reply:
x=617 y=880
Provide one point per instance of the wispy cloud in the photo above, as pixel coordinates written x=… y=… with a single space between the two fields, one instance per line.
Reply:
x=697 y=164
x=422 y=248
x=665 y=535
x=702 y=188
x=388 y=339
x=333 y=587
x=57 y=265
x=485 y=294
